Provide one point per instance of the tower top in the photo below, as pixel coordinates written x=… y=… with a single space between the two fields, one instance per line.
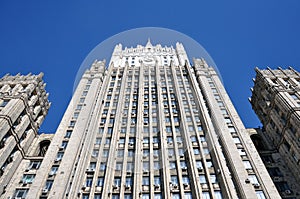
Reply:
x=149 y=45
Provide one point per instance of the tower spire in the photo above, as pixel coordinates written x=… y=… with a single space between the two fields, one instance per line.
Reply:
x=149 y=45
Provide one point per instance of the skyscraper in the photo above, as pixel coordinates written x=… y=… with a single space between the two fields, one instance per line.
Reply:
x=276 y=101
x=23 y=107
x=151 y=125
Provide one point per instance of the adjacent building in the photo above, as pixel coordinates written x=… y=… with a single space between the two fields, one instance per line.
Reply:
x=276 y=101
x=150 y=125
x=23 y=107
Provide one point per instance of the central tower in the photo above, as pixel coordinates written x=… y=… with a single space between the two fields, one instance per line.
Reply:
x=151 y=125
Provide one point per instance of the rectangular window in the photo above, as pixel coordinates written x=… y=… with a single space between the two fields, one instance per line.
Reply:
x=53 y=170
x=218 y=195
x=102 y=166
x=48 y=185
x=174 y=180
x=260 y=195
x=157 y=180
x=4 y=103
x=100 y=182
x=247 y=164
x=34 y=165
x=20 y=193
x=146 y=181
x=88 y=182
x=202 y=179
x=28 y=178
x=117 y=182
x=72 y=123
x=68 y=134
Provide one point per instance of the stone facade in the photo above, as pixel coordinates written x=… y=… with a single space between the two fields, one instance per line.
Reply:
x=276 y=101
x=23 y=107
x=151 y=125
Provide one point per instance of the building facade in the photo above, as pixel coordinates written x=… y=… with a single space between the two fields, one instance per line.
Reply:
x=151 y=125
x=23 y=107
x=276 y=101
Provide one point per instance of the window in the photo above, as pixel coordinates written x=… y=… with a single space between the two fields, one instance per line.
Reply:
x=117 y=182
x=260 y=195
x=88 y=182
x=172 y=165
x=28 y=178
x=156 y=180
x=98 y=141
x=282 y=186
x=247 y=164
x=59 y=156
x=146 y=152
x=175 y=196
x=84 y=93
x=191 y=129
x=196 y=151
x=183 y=165
x=156 y=165
x=68 y=134
x=4 y=103
x=145 y=181
x=100 y=182
x=174 y=180
x=85 y=196
x=72 y=123
x=213 y=178
x=107 y=141
x=168 y=129
x=92 y=165
x=120 y=153
x=20 y=193
x=146 y=140
x=130 y=153
x=218 y=195
x=81 y=100
x=169 y=140
x=34 y=165
x=115 y=196
x=157 y=196
x=209 y=163
x=202 y=179
x=128 y=181
x=48 y=185
x=185 y=180
x=64 y=144
x=109 y=129
x=97 y=196
x=236 y=140
x=102 y=166
x=205 y=195
x=146 y=166
x=275 y=172
x=188 y=195
x=118 y=166
x=105 y=153
x=129 y=166
x=253 y=179
x=171 y=152
x=128 y=196
x=95 y=153
x=231 y=129
x=53 y=170
x=145 y=196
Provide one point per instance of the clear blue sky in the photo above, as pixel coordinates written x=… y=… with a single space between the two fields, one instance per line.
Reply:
x=54 y=37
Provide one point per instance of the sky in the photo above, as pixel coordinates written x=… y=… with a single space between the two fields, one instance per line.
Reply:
x=54 y=37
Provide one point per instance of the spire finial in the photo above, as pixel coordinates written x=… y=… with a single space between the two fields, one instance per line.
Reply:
x=149 y=45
